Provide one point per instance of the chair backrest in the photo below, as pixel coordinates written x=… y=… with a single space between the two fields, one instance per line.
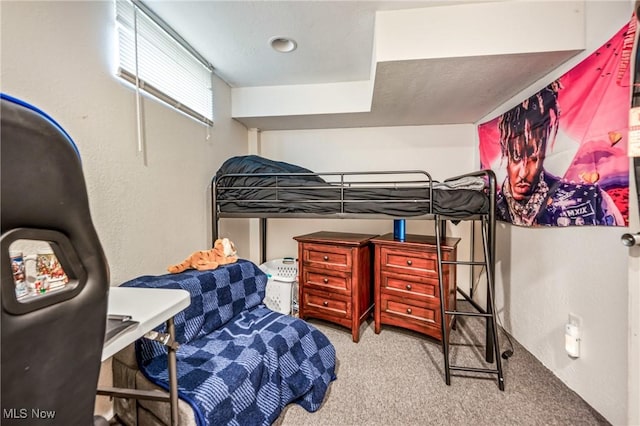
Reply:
x=51 y=341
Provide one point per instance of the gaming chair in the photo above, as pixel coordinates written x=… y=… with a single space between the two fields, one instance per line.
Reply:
x=51 y=342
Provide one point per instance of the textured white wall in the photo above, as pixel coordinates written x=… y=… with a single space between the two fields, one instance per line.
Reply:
x=149 y=212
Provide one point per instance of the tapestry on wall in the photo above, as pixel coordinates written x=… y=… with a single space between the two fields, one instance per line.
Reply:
x=560 y=156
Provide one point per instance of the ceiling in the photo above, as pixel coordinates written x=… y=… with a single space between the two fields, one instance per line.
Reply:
x=335 y=45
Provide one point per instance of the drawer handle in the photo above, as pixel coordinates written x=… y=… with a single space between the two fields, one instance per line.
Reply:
x=325 y=303
x=325 y=280
x=408 y=286
x=409 y=311
x=409 y=262
x=326 y=258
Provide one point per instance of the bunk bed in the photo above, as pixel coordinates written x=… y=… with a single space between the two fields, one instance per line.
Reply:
x=255 y=187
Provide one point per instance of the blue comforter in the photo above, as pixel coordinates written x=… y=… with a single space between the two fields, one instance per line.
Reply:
x=238 y=363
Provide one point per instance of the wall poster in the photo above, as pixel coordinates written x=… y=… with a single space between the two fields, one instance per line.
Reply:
x=561 y=156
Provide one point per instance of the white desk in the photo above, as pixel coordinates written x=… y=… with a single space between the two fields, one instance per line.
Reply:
x=150 y=307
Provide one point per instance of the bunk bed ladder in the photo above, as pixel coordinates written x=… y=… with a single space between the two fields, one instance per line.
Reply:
x=492 y=345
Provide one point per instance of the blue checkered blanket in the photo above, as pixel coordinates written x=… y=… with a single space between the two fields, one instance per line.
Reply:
x=239 y=363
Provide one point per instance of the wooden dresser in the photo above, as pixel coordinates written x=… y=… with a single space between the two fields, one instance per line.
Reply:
x=335 y=282
x=406 y=283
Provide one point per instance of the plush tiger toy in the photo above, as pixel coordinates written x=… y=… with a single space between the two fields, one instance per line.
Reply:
x=222 y=253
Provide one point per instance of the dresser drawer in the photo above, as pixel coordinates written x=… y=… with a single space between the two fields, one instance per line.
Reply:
x=327 y=256
x=328 y=280
x=402 y=310
x=423 y=263
x=327 y=303
x=419 y=288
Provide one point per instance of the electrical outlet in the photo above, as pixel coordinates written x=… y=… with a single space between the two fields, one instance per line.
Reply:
x=575 y=320
x=573 y=336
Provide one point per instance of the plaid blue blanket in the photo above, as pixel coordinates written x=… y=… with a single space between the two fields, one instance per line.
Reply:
x=239 y=363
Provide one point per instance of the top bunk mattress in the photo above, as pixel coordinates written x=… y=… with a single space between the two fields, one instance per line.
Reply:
x=252 y=184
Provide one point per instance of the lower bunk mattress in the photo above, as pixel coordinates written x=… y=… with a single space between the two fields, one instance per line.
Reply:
x=238 y=362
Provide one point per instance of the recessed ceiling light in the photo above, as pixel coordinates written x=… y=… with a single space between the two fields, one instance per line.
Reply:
x=283 y=44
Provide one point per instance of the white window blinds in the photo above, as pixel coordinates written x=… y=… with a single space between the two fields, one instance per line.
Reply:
x=155 y=59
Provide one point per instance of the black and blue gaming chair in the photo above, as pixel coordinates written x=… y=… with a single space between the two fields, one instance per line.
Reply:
x=51 y=343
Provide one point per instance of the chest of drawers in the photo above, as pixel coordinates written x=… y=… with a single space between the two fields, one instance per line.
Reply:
x=406 y=289
x=335 y=282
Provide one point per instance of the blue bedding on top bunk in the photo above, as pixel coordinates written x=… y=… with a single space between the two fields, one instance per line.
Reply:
x=238 y=361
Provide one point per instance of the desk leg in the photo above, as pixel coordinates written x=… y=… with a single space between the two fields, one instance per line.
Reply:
x=173 y=374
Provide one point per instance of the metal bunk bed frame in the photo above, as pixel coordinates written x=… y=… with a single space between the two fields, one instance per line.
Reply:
x=487 y=220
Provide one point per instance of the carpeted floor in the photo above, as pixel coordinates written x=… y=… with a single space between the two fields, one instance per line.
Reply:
x=397 y=378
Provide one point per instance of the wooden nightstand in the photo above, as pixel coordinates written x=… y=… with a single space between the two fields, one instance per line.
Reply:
x=406 y=283
x=335 y=278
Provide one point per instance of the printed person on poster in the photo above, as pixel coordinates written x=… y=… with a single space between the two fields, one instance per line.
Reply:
x=532 y=196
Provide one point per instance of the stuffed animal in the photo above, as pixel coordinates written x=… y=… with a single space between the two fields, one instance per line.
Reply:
x=222 y=253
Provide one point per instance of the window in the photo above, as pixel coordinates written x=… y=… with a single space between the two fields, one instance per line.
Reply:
x=155 y=59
